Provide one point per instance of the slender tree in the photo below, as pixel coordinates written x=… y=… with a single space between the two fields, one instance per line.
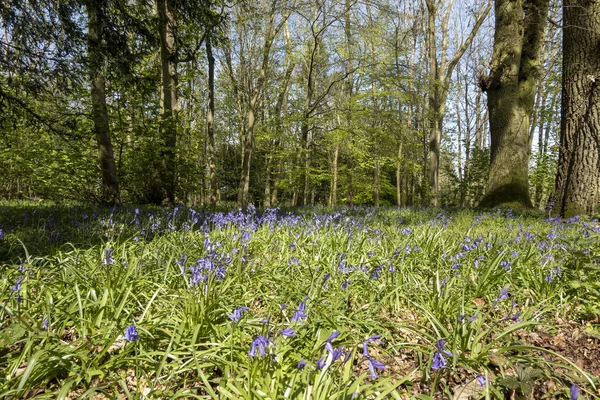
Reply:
x=108 y=169
x=440 y=74
x=169 y=103
x=511 y=87
x=578 y=177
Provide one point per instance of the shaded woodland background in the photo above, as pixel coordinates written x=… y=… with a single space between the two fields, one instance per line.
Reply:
x=298 y=102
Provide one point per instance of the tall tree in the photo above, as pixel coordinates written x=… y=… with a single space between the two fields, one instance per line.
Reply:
x=110 y=186
x=169 y=103
x=578 y=177
x=440 y=74
x=511 y=87
x=271 y=31
x=210 y=121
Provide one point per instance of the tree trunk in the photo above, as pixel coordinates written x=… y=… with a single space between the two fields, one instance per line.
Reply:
x=271 y=31
x=376 y=184
x=578 y=178
x=334 y=175
x=170 y=102
x=440 y=72
x=518 y=39
x=108 y=170
x=210 y=124
x=399 y=180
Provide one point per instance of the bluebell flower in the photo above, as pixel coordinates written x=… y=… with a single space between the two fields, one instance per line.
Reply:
x=17 y=286
x=439 y=361
x=330 y=339
x=301 y=364
x=506 y=264
x=300 y=314
x=261 y=343
x=45 y=324
x=482 y=380
x=131 y=334
x=337 y=353
x=108 y=259
x=373 y=365
x=237 y=313
x=288 y=332
x=320 y=363
x=574 y=392
x=345 y=285
x=325 y=279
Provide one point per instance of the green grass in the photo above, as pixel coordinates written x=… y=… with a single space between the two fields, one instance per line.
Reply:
x=411 y=277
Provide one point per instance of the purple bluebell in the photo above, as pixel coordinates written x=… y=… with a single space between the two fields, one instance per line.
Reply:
x=45 y=324
x=325 y=279
x=131 y=334
x=17 y=286
x=345 y=285
x=321 y=363
x=261 y=343
x=337 y=353
x=301 y=364
x=373 y=365
x=439 y=361
x=506 y=264
x=482 y=380
x=288 y=332
x=237 y=313
x=300 y=314
x=330 y=339
x=574 y=392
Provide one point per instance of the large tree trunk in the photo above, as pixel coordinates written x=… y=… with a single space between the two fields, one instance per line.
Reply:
x=518 y=39
x=578 y=178
x=108 y=170
x=170 y=102
x=210 y=124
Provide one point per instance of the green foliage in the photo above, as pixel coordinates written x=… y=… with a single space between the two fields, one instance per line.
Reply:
x=485 y=284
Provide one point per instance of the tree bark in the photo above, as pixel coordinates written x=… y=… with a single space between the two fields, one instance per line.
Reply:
x=440 y=72
x=518 y=39
x=110 y=185
x=169 y=102
x=578 y=178
x=210 y=124
x=271 y=31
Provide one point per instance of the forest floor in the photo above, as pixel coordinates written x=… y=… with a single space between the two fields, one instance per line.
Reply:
x=366 y=303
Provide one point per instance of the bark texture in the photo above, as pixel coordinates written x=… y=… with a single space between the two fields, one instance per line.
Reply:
x=108 y=169
x=169 y=103
x=210 y=124
x=518 y=39
x=578 y=177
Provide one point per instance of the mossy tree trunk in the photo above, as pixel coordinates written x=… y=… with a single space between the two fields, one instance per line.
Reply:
x=108 y=169
x=578 y=177
x=518 y=39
